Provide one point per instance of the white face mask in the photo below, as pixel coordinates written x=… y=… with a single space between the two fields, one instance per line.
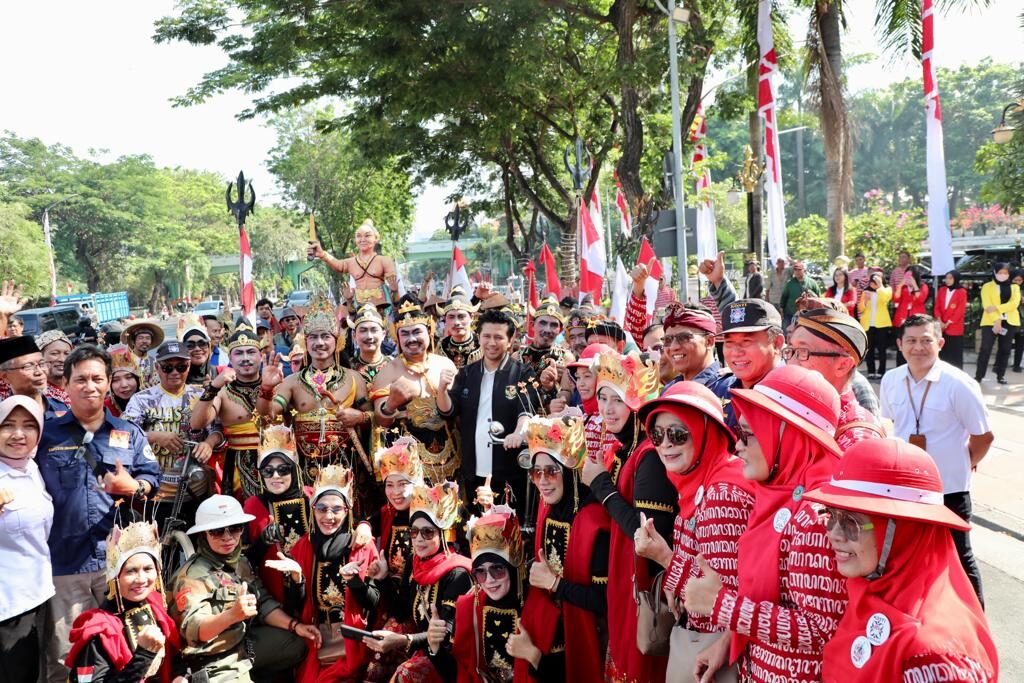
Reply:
x=1002 y=278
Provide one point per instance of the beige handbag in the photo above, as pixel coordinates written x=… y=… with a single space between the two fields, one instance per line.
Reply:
x=332 y=643
x=654 y=619
x=682 y=656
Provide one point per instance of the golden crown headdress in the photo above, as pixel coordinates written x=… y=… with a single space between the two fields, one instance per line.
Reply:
x=562 y=438
x=334 y=479
x=123 y=543
x=403 y=457
x=366 y=313
x=244 y=336
x=458 y=301
x=298 y=346
x=439 y=503
x=410 y=313
x=550 y=307
x=277 y=440
x=632 y=377
x=122 y=358
x=320 y=317
x=497 y=532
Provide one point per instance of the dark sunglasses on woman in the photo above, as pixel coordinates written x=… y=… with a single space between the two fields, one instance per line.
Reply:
x=271 y=470
x=426 y=532
x=498 y=572
x=677 y=435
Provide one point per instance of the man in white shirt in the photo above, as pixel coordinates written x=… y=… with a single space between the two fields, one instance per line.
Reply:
x=938 y=407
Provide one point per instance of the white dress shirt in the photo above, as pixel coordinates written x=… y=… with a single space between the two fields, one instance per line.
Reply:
x=483 y=425
x=26 y=577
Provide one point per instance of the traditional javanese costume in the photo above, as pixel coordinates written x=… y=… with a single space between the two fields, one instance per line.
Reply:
x=122 y=360
x=104 y=641
x=572 y=537
x=243 y=439
x=462 y=353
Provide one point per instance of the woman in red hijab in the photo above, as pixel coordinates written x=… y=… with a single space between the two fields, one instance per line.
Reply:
x=913 y=615
x=687 y=427
x=790 y=595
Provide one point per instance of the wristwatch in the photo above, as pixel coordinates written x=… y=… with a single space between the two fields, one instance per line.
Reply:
x=141 y=491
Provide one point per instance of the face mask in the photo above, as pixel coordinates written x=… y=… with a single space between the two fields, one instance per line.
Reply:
x=1002 y=278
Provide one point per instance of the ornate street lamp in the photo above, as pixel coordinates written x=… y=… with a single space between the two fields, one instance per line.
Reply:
x=1004 y=133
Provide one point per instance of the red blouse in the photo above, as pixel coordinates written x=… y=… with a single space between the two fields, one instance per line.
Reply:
x=952 y=313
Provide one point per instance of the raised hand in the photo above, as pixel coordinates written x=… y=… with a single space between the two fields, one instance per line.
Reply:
x=286 y=565
x=541 y=575
x=226 y=375
x=151 y=638
x=6 y=496
x=446 y=380
x=119 y=482
x=437 y=630
x=702 y=591
x=314 y=250
x=520 y=646
x=244 y=606
x=272 y=374
x=649 y=544
x=11 y=300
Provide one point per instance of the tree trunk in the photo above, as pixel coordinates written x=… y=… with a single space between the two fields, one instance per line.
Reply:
x=624 y=16
x=569 y=271
x=834 y=127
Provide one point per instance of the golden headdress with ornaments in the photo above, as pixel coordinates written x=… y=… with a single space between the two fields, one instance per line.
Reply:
x=633 y=377
x=298 y=347
x=560 y=437
x=366 y=313
x=439 y=503
x=550 y=307
x=410 y=313
x=244 y=335
x=497 y=533
x=277 y=440
x=320 y=317
x=403 y=457
x=334 y=479
x=123 y=543
x=458 y=300
x=122 y=358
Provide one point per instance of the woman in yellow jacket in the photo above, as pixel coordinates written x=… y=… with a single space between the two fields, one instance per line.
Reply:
x=873 y=307
x=999 y=319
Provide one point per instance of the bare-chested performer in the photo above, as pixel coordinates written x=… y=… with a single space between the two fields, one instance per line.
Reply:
x=370 y=270
x=404 y=394
x=231 y=395
x=326 y=401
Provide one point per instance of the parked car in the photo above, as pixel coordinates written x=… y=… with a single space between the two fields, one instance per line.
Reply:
x=299 y=297
x=64 y=317
x=213 y=307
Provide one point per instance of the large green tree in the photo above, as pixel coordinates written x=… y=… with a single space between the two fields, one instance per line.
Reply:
x=23 y=255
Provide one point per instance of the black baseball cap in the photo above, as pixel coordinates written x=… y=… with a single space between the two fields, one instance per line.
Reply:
x=750 y=315
x=171 y=349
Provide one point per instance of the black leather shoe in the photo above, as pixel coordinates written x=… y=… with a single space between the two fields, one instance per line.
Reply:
x=1001 y=380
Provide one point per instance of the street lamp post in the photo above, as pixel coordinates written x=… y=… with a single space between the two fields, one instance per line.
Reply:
x=49 y=247
x=749 y=176
x=1004 y=133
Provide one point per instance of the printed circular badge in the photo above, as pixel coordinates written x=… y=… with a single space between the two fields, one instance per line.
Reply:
x=798 y=492
x=781 y=519
x=699 y=496
x=860 y=651
x=878 y=628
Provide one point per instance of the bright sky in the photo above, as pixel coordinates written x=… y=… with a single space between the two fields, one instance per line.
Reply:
x=88 y=75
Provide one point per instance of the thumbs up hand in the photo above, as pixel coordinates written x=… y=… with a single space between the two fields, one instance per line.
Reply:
x=649 y=544
x=119 y=482
x=244 y=606
x=437 y=630
x=701 y=592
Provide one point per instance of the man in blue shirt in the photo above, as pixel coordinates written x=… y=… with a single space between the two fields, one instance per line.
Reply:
x=88 y=460
x=752 y=330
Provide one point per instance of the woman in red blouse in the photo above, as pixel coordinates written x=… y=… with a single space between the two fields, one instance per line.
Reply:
x=843 y=291
x=910 y=296
x=912 y=615
x=950 y=307
x=790 y=596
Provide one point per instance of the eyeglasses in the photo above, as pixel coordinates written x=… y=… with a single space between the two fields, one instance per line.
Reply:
x=677 y=435
x=324 y=508
x=789 y=352
x=30 y=368
x=657 y=347
x=174 y=367
x=548 y=471
x=744 y=435
x=201 y=344
x=233 y=530
x=425 y=532
x=498 y=572
x=280 y=470
x=680 y=338
x=849 y=525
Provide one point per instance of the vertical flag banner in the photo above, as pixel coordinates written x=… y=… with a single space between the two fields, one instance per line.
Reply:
x=248 y=303
x=625 y=222
x=592 y=256
x=620 y=292
x=768 y=69
x=458 y=276
x=646 y=257
x=550 y=271
x=939 y=236
x=707 y=235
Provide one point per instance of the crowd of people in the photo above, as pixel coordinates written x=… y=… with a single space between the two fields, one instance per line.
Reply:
x=459 y=489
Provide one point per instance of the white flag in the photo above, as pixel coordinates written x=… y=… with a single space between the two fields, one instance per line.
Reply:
x=620 y=294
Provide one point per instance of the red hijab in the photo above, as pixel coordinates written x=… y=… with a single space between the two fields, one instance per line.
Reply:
x=928 y=601
x=796 y=461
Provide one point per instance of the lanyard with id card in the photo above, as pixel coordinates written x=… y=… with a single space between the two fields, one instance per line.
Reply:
x=917 y=438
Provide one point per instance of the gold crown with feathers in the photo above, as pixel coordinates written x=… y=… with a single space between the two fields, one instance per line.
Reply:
x=411 y=313
x=497 y=532
x=366 y=313
x=337 y=478
x=562 y=438
x=320 y=317
x=439 y=503
x=403 y=457
x=123 y=543
x=122 y=358
x=632 y=376
x=244 y=335
x=277 y=440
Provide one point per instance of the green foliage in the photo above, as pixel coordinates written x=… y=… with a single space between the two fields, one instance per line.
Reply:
x=23 y=250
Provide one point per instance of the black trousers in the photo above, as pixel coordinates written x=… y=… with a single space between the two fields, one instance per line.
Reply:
x=960 y=503
x=953 y=350
x=20 y=651
x=878 y=344
x=1002 y=342
x=1018 y=348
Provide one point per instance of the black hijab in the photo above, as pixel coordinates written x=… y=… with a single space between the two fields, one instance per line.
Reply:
x=1005 y=288
x=955 y=274
x=333 y=548
x=291 y=493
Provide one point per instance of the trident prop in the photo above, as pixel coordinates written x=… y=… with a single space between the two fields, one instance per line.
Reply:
x=582 y=163
x=240 y=209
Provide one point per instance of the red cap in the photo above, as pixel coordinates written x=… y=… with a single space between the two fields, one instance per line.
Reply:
x=889 y=478
x=587 y=357
x=690 y=395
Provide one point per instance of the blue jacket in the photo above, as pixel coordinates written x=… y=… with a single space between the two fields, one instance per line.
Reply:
x=83 y=512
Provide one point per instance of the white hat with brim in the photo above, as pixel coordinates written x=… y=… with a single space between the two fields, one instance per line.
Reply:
x=217 y=512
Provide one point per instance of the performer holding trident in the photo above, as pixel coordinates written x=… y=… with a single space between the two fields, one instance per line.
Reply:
x=370 y=270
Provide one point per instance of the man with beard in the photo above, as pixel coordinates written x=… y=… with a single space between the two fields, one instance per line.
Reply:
x=369 y=269
x=327 y=401
x=405 y=393
x=368 y=332
x=56 y=347
x=546 y=359
x=493 y=389
x=196 y=341
x=142 y=336
x=689 y=345
x=460 y=343
x=23 y=372
x=231 y=399
x=164 y=414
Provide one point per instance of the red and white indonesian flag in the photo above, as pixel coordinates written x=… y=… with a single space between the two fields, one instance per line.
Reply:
x=646 y=257
x=939 y=236
x=625 y=222
x=551 y=282
x=591 y=245
x=248 y=303
x=768 y=69
x=707 y=234
x=458 y=277
x=620 y=292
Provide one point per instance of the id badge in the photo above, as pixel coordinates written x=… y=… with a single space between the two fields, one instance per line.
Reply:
x=919 y=440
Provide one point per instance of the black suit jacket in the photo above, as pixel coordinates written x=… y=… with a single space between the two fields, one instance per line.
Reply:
x=508 y=403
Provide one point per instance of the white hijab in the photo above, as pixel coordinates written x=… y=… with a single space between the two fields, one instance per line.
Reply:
x=7 y=406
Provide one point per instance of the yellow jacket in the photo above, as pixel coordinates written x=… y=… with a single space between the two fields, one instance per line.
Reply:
x=882 y=319
x=990 y=297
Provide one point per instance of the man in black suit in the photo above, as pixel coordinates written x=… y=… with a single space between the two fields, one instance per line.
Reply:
x=495 y=388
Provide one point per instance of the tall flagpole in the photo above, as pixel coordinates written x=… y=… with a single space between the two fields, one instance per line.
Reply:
x=939 y=236
x=767 y=70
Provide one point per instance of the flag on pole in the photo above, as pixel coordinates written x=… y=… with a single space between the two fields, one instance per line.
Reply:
x=647 y=257
x=550 y=271
x=768 y=70
x=620 y=292
x=625 y=222
x=248 y=291
x=592 y=256
x=939 y=236
x=458 y=276
x=707 y=235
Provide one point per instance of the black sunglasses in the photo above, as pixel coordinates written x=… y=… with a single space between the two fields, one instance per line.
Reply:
x=234 y=530
x=426 y=533
x=174 y=367
x=677 y=435
x=744 y=435
x=201 y=344
x=498 y=572
x=280 y=470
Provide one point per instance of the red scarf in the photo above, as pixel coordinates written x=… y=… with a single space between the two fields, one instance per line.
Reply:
x=929 y=604
x=387 y=520
x=802 y=461
x=541 y=616
x=429 y=572
x=109 y=629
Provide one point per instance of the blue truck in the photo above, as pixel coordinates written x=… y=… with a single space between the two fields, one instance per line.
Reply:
x=101 y=307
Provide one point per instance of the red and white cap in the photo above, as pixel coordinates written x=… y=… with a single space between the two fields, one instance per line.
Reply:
x=689 y=395
x=888 y=478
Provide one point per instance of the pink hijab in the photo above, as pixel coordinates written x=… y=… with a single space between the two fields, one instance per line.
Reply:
x=7 y=406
